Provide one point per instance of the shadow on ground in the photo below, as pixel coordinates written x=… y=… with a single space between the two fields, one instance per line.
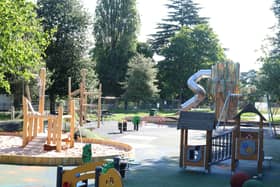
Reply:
x=165 y=172
x=10 y=126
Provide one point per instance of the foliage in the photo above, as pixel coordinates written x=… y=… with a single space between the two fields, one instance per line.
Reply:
x=181 y=13
x=269 y=77
x=248 y=86
x=145 y=49
x=115 y=28
x=68 y=46
x=189 y=50
x=22 y=41
x=270 y=70
x=141 y=79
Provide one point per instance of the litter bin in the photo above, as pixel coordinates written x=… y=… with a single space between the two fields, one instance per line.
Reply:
x=122 y=126
x=153 y=112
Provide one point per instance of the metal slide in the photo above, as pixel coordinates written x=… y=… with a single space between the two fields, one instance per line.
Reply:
x=199 y=91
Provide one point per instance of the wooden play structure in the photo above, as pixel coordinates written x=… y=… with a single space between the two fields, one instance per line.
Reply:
x=233 y=143
x=91 y=170
x=33 y=122
x=83 y=99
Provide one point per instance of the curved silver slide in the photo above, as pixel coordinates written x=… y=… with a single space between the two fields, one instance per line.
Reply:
x=199 y=91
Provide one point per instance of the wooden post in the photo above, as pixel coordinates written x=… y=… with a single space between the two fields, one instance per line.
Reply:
x=81 y=104
x=12 y=112
x=72 y=122
x=260 y=153
x=59 y=128
x=99 y=107
x=42 y=98
x=208 y=150
x=36 y=119
x=69 y=94
x=30 y=126
x=182 y=143
x=233 y=149
x=85 y=107
x=50 y=125
x=185 y=145
x=25 y=121
x=59 y=174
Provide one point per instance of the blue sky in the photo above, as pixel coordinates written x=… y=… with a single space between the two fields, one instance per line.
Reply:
x=241 y=25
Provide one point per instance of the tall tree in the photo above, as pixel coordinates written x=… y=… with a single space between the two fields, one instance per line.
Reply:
x=68 y=45
x=270 y=70
x=190 y=50
x=181 y=13
x=22 y=41
x=115 y=28
x=140 y=81
x=145 y=49
x=248 y=86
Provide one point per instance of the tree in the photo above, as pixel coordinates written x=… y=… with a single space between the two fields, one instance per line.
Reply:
x=270 y=71
x=181 y=13
x=115 y=28
x=145 y=49
x=22 y=41
x=140 y=81
x=190 y=50
x=248 y=86
x=68 y=46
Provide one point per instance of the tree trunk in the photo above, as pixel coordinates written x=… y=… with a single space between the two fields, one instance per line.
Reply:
x=52 y=104
x=125 y=105
x=27 y=91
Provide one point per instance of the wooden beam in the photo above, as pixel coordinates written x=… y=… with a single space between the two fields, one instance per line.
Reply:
x=42 y=97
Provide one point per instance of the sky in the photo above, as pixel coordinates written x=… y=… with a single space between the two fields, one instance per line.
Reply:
x=241 y=25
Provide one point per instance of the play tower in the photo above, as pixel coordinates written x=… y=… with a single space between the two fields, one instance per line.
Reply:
x=219 y=144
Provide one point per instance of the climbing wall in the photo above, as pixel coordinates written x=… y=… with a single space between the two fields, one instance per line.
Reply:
x=225 y=80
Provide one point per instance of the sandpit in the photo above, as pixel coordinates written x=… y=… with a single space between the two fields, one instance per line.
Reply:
x=12 y=152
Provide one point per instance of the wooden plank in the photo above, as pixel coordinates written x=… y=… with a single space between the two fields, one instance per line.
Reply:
x=196 y=120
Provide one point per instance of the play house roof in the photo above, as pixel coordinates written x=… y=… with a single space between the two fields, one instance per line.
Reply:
x=250 y=108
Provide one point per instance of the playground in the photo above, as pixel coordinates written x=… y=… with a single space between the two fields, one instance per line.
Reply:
x=156 y=162
x=201 y=148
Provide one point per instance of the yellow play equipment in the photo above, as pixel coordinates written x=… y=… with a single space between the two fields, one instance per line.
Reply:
x=33 y=121
x=92 y=170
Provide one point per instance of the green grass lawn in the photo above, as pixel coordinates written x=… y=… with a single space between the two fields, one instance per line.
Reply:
x=121 y=115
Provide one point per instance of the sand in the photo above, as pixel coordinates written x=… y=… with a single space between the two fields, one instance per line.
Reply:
x=11 y=145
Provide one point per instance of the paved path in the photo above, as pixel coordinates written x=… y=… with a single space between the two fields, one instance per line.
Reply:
x=156 y=162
